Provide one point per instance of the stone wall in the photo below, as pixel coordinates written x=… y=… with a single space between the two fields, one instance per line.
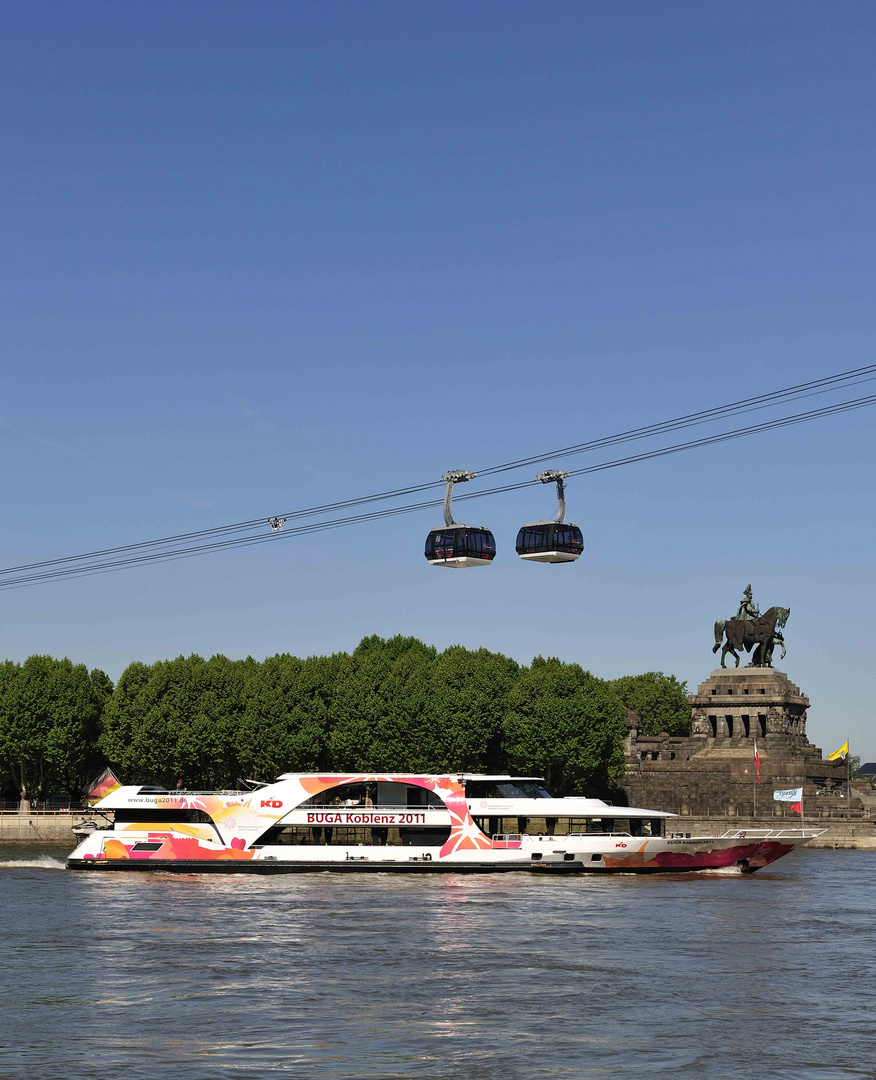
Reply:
x=712 y=772
x=51 y=828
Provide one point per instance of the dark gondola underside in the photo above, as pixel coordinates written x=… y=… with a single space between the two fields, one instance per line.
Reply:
x=460 y=546
x=548 y=541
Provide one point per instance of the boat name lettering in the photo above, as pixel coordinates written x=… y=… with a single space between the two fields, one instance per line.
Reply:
x=347 y=817
x=620 y=845
x=273 y=803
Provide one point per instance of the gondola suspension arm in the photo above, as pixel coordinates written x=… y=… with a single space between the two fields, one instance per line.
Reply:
x=455 y=476
x=556 y=476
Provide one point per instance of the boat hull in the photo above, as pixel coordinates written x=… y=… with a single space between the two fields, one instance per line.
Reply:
x=649 y=858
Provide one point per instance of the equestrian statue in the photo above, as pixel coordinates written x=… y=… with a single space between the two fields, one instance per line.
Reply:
x=750 y=630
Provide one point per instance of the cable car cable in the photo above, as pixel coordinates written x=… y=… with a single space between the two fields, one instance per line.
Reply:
x=828 y=383
x=20 y=577
x=745 y=405
x=393 y=511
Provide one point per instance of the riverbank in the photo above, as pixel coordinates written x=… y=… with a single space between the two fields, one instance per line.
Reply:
x=40 y=826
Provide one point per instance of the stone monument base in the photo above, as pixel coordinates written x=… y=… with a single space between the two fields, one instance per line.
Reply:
x=712 y=771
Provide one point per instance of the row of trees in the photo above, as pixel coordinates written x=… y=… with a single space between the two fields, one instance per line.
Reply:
x=390 y=705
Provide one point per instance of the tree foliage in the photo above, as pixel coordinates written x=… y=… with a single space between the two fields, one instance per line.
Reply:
x=392 y=705
x=178 y=720
x=566 y=725
x=50 y=712
x=660 y=700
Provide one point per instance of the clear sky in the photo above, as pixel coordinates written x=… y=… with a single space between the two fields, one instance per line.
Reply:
x=260 y=256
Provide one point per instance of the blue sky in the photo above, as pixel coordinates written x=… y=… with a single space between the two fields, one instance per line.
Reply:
x=257 y=257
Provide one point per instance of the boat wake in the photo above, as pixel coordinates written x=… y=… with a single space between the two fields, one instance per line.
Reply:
x=44 y=862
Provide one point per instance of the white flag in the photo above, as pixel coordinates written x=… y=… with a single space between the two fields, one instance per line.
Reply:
x=791 y=794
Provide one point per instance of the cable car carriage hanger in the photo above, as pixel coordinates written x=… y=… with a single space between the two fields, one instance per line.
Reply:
x=458 y=545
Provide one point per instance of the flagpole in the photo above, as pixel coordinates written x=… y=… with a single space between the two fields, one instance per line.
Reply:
x=755 y=779
x=848 y=783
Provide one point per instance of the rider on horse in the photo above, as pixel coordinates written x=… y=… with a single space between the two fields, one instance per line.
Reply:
x=748 y=630
x=748 y=610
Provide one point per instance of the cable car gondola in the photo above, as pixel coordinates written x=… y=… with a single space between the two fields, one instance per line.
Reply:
x=458 y=545
x=551 y=541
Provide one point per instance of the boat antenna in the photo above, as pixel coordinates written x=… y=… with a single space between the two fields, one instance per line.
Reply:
x=555 y=476
x=455 y=476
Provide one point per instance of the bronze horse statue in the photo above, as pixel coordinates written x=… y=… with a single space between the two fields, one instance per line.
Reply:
x=761 y=634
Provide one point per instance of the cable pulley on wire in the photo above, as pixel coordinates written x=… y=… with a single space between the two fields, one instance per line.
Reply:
x=459 y=545
x=551 y=541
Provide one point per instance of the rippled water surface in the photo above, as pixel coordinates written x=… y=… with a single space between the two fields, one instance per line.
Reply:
x=510 y=976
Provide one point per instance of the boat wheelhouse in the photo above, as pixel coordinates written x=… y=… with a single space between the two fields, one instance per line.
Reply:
x=404 y=822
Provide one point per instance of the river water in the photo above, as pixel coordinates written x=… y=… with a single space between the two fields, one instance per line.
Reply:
x=135 y=975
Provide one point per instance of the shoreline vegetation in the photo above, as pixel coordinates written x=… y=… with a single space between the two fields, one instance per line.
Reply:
x=392 y=704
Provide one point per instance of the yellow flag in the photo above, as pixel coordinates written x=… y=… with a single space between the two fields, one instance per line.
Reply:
x=841 y=753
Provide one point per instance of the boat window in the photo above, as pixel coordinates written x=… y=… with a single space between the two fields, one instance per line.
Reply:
x=510 y=791
x=344 y=795
x=424 y=837
x=147 y=845
x=383 y=793
x=277 y=834
x=531 y=789
x=149 y=815
x=492 y=789
x=354 y=835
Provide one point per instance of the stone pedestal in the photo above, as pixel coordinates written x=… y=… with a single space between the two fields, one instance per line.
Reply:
x=734 y=707
x=712 y=772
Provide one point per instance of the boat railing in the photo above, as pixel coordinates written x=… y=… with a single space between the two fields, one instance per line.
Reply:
x=377 y=808
x=514 y=837
x=771 y=834
x=196 y=791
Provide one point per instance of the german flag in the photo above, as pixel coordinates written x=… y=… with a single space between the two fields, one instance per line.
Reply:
x=104 y=785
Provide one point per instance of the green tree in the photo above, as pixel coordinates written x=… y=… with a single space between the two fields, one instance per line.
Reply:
x=660 y=700
x=566 y=725
x=379 y=713
x=50 y=713
x=178 y=720
x=467 y=702
x=284 y=727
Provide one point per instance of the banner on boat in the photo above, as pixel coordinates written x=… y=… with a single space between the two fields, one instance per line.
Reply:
x=362 y=817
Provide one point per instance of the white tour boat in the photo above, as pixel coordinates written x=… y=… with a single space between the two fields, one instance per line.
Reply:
x=400 y=822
